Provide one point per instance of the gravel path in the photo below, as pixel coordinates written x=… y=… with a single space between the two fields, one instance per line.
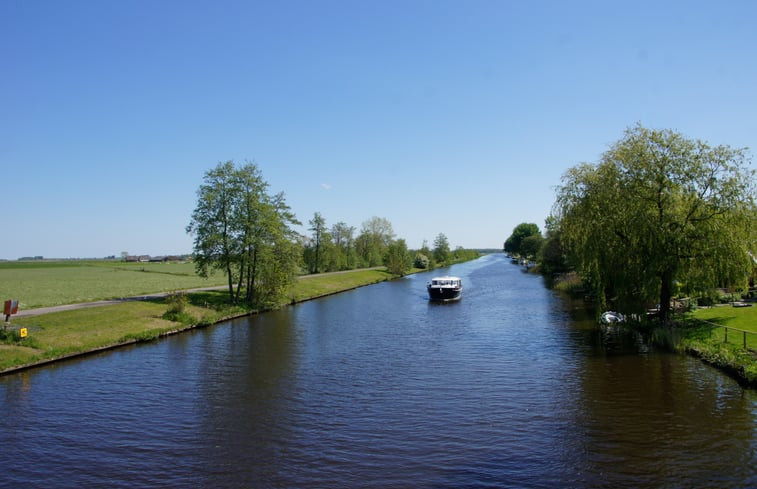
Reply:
x=82 y=305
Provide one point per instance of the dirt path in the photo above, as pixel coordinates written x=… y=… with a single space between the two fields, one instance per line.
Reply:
x=82 y=305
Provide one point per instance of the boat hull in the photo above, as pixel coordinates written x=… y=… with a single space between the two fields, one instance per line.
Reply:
x=444 y=293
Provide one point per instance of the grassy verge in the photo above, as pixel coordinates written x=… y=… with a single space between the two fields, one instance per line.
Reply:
x=61 y=334
x=703 y=334
x=312 y=286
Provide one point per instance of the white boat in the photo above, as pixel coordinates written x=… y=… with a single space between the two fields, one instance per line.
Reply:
x=445 y=288
x=610 y=317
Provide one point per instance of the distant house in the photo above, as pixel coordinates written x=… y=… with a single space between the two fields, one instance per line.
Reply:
x=137 y=258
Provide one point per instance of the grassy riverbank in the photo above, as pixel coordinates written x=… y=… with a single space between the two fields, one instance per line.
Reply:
x=703 y=334
x=68 y=333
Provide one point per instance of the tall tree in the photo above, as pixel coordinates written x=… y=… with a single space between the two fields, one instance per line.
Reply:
x=343 y=237
x=553 y=259
x=216 y=237
x=659 y=208
x=520 y=233
x=398 y=260
x=531 y=246
x=319 y=236
x=375 y=235
x=441 y=248
x=242 y=230
x=426 y=251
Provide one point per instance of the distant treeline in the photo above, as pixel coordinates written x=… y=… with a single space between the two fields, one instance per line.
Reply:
x=342 y=247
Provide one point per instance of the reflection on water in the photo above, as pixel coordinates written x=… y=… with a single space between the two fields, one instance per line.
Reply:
x=378 y=387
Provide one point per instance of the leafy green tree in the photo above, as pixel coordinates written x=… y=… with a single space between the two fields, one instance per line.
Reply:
x=216 y=234
x=421 y=261
x=245 y=232
x=531 y=246
x=319 y=254
x=441 y=248
x=659 y=208
x=426 y=251
x=344 y=242
x=375 y=236
x=398 y=260
x=553 y=258
x=521 y=232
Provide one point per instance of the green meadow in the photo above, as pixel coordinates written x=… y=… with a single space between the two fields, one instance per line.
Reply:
x=52 y=283
x=703 y=334
x=736 y=319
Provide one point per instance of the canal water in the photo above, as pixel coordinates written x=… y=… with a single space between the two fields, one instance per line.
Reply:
x=377 y=387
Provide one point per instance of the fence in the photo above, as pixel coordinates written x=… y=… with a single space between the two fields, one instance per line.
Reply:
x=752 y=335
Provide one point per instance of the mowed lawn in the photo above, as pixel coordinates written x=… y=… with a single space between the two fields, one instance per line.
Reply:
x=52 y=283
x=743 y=318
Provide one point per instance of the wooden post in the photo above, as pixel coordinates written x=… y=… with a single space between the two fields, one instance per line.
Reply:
x=726 y=334
x=745 y=340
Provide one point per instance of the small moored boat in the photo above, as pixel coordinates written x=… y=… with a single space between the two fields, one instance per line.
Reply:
x=445 y=288
x=611 y=317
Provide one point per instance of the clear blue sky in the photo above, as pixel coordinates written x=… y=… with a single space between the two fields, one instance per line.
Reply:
x=454 y=117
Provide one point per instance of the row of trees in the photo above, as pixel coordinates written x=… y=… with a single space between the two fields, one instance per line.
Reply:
x=339 y=248
x=657 y=214
x=244 y=231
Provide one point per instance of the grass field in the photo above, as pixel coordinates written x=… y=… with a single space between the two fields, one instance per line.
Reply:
x=743 y=318
x=52 y=283
x=705 y=337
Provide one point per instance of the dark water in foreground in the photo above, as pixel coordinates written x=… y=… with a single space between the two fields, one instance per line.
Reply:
x=379 y=388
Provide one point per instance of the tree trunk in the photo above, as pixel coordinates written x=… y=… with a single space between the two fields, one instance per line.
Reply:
x=231 y=283
x=239 y=284
x=666 y=292
x=253 y=273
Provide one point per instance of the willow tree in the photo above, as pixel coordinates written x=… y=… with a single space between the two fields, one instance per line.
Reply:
x=659 y=210
x=245 y=232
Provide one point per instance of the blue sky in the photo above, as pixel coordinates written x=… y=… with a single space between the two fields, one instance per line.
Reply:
x=454 y=117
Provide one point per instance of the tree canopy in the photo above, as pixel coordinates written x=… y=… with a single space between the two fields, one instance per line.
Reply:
x=244 y=231
x=659 y=210
x=524 y=230
x=398 y=259
x=375 y=236
x=318 y=251
x=441 y=248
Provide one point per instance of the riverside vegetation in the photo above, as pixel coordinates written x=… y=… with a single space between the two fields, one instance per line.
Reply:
x=660 y=220
x=59 y=335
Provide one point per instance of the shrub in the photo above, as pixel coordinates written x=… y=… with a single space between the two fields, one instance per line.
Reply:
x=177 y=302
x=9 y=336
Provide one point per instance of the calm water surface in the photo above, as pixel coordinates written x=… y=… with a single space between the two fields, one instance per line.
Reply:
x=377 y=387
